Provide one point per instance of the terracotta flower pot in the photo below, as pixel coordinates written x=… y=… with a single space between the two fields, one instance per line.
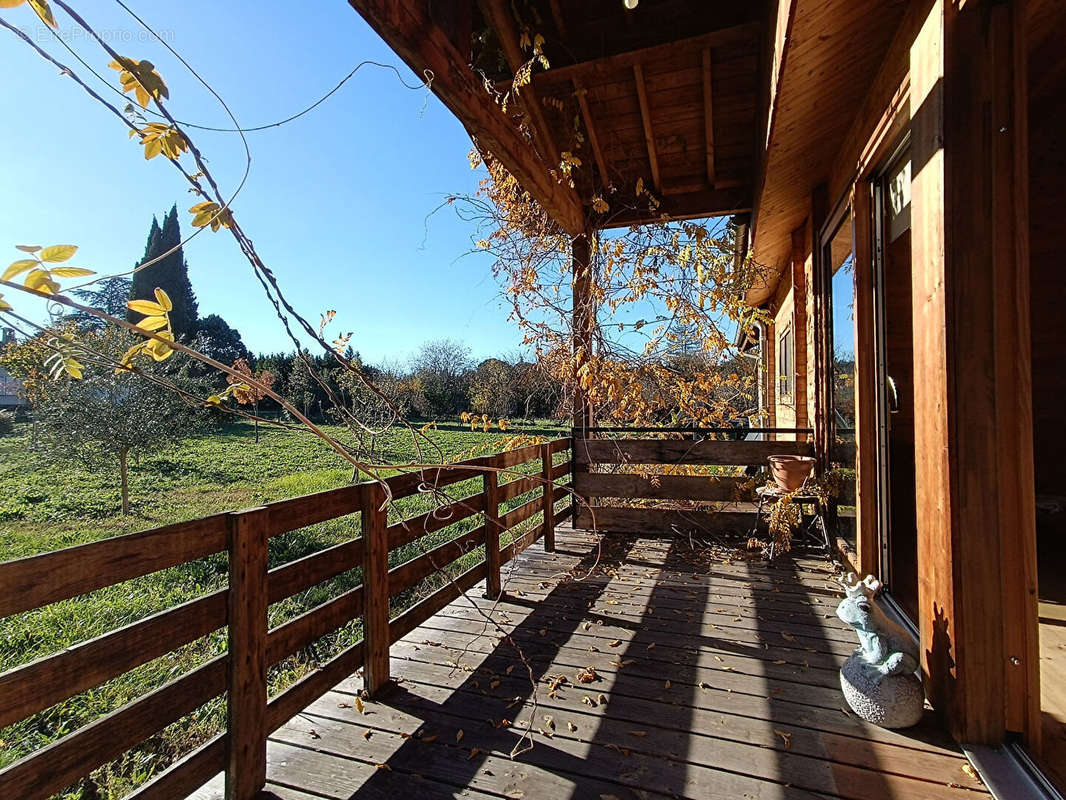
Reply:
x=790 y=471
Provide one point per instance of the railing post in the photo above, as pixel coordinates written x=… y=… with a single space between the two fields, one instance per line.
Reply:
x=247 y=686
x=493 y=527
x=549 y=497
x=578 y=465
x=375 y=587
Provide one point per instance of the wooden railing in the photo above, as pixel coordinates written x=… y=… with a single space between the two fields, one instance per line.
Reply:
x=241 y=608
x=630 y=468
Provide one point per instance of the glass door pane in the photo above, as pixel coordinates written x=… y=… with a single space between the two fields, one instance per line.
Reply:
x=840 y=262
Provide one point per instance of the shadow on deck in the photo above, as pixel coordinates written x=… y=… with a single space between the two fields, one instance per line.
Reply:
x=713 y=679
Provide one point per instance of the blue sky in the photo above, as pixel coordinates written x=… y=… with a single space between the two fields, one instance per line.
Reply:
x=336 y=202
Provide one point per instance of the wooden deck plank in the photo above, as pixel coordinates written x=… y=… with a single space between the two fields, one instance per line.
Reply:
x=701 y=738
x=721 y=608
x=726 y=671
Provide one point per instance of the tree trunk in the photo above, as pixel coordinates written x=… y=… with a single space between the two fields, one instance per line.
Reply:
x=257 y=422
x=124 y=481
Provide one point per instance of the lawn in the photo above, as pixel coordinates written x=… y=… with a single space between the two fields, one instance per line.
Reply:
x=45 y=507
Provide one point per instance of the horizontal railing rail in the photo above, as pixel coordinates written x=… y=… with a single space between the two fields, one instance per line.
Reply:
x=631 y=469
x=723 y=429
x=241 y=609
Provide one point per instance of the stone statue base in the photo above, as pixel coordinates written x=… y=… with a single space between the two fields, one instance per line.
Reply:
x=891 y=701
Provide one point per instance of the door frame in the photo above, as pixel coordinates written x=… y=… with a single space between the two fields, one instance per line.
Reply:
x=880 y=365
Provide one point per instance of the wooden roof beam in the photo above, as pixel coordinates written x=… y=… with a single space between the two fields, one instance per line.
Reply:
x=645 y=117
x=610 y=65
x=409 y=30
x=498 y=15
x=594 y=142
x=557 y=16
x=708 y=116
x=691 y=205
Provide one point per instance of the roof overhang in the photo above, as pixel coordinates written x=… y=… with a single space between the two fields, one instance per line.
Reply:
x=827 y=53
x=659 y=104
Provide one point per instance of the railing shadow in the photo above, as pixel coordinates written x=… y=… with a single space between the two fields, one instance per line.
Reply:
x=837 y=767
x=576 y=772
x=670 y=732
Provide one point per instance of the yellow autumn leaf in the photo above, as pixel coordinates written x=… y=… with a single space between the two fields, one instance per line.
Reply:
x=16 y=268
x=163 y=299
x=28 y=248
x=41 y=281
x=72 y=272
x=58 y=252
x=161 y=350
x=153 y=323
x=145 y=307
x=44 y=11
x=4 y=305
x=141 y=78
x=11 y=3
x=73 y=369
x=127 y=357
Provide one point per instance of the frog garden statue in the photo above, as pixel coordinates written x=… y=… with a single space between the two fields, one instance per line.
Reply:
x=879 y=680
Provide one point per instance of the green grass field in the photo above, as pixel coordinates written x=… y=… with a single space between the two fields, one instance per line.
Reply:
x=45 y=507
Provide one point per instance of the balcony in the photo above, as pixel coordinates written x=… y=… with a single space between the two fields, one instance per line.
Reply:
x=616 y=666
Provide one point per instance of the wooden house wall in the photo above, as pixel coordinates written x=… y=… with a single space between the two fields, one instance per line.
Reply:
x=783 y=318
x=979 y=694
x=1047 y=32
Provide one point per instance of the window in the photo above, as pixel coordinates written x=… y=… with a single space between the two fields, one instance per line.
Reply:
x=786 y=369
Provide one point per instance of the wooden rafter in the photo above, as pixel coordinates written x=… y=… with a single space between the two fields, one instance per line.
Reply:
x=557 y=16
x=691 y=205
x=645 y=118
x=708 y=115
x=498 y=14
x=590 y=128
x=408 y=29
x=609 y=66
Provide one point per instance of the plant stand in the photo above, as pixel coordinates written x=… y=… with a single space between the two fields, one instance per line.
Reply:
x=814 y=530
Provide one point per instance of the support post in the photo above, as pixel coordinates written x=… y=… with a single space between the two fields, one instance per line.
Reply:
x=866 y=454
x=584 y=321
x=549 y=495
x=821 y=289
x=375 y=587
x=973 y=403
x=493 y=528
x=247 y=630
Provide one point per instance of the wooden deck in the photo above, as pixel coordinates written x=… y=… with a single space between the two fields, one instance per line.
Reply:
x=713 y=679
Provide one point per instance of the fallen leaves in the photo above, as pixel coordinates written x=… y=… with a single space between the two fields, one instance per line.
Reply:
x=587 y=675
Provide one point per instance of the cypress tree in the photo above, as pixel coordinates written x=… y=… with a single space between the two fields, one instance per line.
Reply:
x=171 y=274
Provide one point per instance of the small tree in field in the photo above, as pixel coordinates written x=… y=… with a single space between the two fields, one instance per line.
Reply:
x=108 y=416
x=245 y=392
